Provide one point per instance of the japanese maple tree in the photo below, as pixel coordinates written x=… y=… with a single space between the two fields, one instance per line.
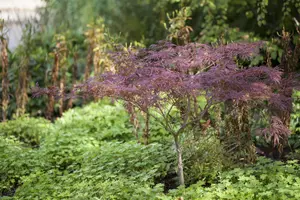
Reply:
x=165 y=80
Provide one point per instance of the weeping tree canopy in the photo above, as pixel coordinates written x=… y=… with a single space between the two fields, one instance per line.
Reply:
x=152 y=76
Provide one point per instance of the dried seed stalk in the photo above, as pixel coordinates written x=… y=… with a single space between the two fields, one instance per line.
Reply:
x=21 y=95
x=63 y=56
x=5 y=80
x=74 y=78
x=54 y=81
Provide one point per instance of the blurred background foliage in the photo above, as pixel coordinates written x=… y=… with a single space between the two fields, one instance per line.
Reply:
x=138 y=20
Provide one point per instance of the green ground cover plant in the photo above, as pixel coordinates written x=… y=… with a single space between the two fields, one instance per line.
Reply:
x=16 y=161
x=114 y=170
x=266 y=179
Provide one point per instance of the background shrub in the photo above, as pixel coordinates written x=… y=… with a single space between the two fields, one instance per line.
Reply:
x=26 y=129
x=101 y=120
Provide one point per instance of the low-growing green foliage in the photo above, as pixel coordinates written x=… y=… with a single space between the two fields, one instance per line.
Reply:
x=26 y=129
x=267 y=180
x=137 y=161
x=53 y=186
x=114 y=170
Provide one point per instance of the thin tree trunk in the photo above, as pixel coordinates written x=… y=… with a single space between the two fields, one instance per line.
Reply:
x=179 y=160
x=5 y=80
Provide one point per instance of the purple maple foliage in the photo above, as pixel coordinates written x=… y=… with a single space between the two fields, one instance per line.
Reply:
x=165 y=79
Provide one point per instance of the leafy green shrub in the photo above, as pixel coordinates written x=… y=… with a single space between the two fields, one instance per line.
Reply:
x=265 y=180
x=26 y=129
x=203 y=159
x=15 y=161
x=99 y=120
